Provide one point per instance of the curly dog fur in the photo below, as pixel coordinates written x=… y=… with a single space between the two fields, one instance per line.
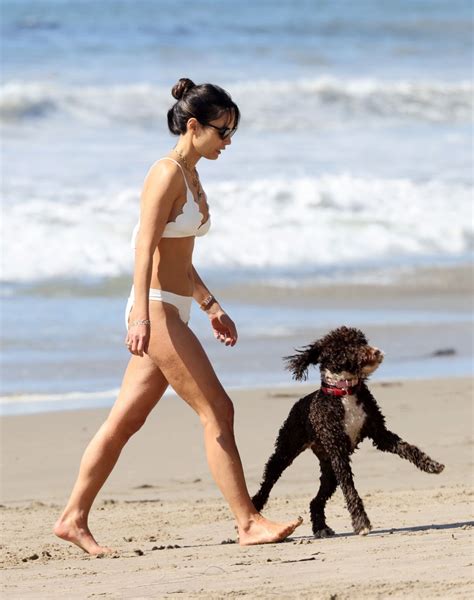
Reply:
x=332 y=421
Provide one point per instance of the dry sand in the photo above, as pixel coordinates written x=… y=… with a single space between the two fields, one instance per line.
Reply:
x=163 y=514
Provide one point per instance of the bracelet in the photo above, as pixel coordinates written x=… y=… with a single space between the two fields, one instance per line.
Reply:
x=207 y=302
x=140 y=322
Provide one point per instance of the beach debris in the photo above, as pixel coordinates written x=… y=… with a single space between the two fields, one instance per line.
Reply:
x=139 y=552
x=32 y=557
x=282 y=395
x=299 y=560
x=168 y=547
x=228 y=541
x=114 y=554
x=142 y=501
x=214 y=570
x=128 y=539
x=444 y=352
x=35 y=504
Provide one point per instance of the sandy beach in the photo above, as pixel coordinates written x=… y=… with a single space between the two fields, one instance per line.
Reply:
x=174 y=536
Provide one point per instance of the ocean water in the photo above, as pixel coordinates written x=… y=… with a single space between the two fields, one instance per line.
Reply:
x=353 y=160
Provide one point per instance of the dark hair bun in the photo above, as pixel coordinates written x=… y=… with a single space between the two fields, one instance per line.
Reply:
x=182 y=87
x=203 y=102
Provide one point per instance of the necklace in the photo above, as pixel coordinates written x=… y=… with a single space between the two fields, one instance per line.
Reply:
x=194 y=175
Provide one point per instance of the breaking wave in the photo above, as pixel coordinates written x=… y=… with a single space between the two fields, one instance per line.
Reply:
x=276 y=104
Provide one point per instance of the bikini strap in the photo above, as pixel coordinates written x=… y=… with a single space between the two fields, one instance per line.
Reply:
x=176 y=163
x=172 y=160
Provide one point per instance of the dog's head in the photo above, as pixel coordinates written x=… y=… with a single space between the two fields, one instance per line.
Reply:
x=343 y=353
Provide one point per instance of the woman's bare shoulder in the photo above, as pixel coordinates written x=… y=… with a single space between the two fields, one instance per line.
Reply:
x=166 y=175
x=165 y=167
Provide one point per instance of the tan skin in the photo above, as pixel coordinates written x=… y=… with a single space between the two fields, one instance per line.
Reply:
x=168 y=353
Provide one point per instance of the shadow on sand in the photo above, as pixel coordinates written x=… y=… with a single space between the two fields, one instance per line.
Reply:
x=393 y=530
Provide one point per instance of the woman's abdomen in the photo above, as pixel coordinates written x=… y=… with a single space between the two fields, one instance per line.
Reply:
x=173 y=266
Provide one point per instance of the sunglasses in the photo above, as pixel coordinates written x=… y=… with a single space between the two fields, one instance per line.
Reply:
x=224 y=132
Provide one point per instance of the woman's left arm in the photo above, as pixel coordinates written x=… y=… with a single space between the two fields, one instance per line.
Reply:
x=222 y=325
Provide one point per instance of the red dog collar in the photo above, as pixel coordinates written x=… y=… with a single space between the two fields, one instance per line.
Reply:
x=340 y=389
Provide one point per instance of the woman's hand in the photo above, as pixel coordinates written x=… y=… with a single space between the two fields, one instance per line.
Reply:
x=223 y=327
x=138 y=336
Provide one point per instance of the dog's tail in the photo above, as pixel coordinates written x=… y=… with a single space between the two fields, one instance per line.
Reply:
x=298 y=363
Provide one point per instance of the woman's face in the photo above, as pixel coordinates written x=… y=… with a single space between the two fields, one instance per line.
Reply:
x=209 y=140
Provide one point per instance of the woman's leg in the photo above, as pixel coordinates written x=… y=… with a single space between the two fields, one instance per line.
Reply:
x=180 y=357
x=143 y=385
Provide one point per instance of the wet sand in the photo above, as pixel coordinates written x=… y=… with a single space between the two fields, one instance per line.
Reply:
x=174 y=536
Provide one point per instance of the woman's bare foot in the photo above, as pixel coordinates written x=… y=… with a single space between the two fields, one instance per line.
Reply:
x=262 y=531
x=79 y=535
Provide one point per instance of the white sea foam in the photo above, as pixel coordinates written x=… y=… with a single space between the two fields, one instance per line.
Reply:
x=11 y=404
x=307 y=224
x=276 y=104
x=284 y=105
x=61 y=397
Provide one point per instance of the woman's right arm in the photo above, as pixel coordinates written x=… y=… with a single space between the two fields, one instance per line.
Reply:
x=162 y=186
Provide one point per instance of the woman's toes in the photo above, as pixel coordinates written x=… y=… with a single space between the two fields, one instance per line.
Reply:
x=266 y=532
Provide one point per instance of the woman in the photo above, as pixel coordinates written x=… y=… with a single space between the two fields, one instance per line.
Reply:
x=164 y=350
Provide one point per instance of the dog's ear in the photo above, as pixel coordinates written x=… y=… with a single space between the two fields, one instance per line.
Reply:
x=298 y=363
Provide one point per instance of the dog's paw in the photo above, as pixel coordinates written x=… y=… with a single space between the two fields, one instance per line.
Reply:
x=325 y=532
x=434 y=467
x=363 y=527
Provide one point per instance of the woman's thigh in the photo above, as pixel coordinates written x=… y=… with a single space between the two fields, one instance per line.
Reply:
x=179 y=355
x=142 y=386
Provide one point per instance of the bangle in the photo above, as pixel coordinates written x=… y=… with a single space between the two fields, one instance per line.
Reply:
x=207 y=302
x=140 y=322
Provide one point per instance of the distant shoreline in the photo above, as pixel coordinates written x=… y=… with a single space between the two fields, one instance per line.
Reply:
x=424 y=321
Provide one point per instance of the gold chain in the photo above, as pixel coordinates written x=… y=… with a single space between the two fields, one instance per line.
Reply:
x=194 y=175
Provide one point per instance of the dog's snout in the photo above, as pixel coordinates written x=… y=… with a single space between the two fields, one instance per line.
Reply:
x=377 y=354
x=373 y=355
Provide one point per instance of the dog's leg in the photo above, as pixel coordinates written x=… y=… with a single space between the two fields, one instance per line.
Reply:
x=318 y=503
x=388 y=441
x=291 y=441
x=342 y=469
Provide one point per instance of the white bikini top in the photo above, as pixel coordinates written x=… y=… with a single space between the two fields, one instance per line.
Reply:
x=189 y=221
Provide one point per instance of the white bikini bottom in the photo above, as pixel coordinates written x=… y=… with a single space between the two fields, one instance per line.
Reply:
x=182 y=303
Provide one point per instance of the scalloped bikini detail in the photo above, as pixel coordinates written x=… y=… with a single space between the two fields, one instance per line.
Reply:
x=189 y=221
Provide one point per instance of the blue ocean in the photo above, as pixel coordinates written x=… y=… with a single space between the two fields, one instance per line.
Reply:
x=353 y=163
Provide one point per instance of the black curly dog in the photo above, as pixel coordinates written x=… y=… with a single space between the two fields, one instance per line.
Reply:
x=332 y=421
